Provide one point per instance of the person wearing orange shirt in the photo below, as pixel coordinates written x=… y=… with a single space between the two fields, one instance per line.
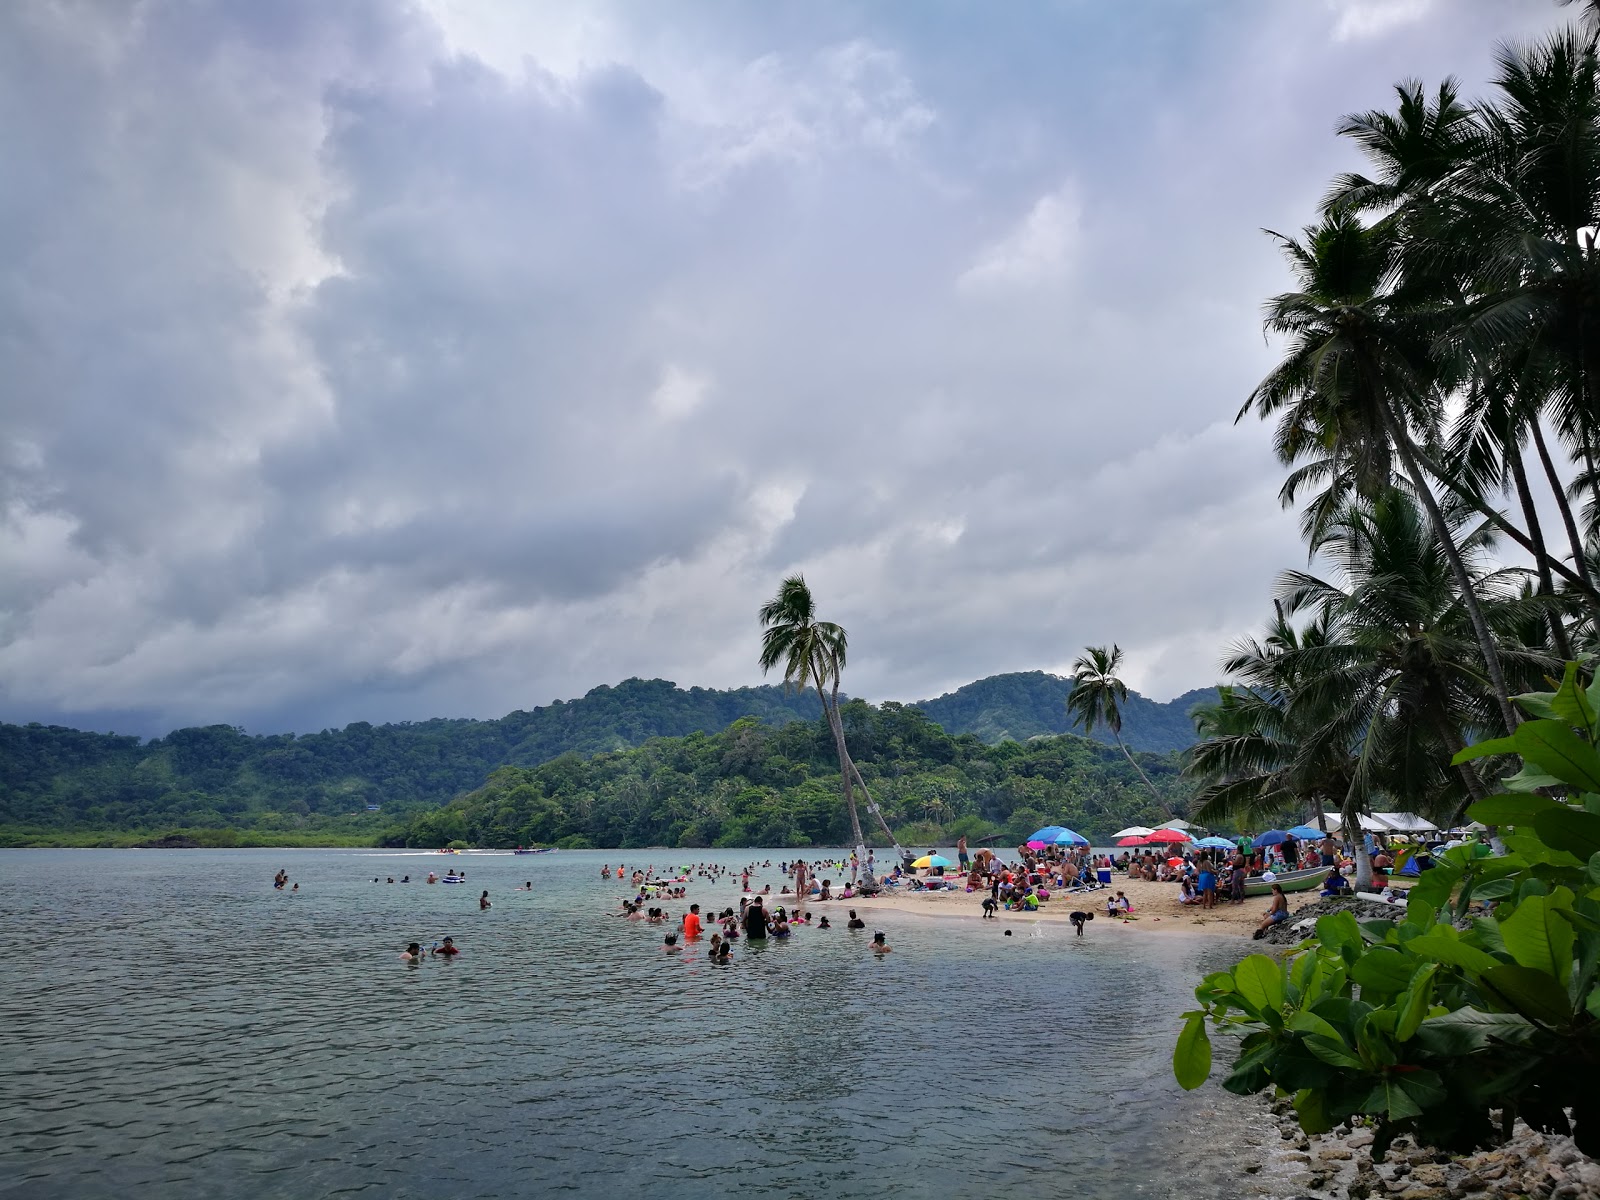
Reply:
x=691 y=922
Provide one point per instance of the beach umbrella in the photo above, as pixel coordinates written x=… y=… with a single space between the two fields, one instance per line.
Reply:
x=1032 y=844
x=1068 y=838
x=933 y=860
x=1216 y=843
x=1137 y=839
x=1272 y=837
x=1165 y=837
x=1306 y=831
x=1048 y=834
x=1132 y=831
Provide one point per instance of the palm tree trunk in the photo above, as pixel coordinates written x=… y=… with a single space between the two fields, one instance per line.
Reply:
x=1488 y=512
x=872 y=806
x=837 y=727
x=1350 y=826
x=1547 y=587
x=1160 y=803
x=1562 y=501
x=1469 y=594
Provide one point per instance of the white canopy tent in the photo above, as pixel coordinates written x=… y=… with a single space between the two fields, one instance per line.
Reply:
x=1390 y=822
x=1177 y=824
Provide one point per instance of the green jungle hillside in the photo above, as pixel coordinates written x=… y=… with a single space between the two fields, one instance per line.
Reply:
x=62 y=785
x=763 y=785
x=1027 y=704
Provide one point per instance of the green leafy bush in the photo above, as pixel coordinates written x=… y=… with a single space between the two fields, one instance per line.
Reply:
x=1429 y=1028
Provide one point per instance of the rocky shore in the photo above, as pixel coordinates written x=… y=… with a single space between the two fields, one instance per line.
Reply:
x=1336 y=1165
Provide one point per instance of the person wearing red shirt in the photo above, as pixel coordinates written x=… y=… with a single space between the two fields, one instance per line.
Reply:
x=691 y=922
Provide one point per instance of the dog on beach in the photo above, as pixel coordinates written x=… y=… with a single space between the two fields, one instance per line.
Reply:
x=1078 y=918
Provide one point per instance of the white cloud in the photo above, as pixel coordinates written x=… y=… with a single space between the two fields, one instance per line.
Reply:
x=362 y=365
x=1355 y=20
x=1039 y=249
x=680 y=392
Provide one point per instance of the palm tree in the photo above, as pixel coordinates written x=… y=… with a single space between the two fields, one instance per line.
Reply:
x=1359 y=378
x=1376 y=693
x=1250 y=757
x=812 y=653
x=1096 y=698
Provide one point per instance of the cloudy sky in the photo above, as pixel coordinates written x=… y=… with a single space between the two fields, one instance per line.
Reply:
x=374 y=360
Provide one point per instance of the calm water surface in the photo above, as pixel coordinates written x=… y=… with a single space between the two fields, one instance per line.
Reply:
x=176 y=1028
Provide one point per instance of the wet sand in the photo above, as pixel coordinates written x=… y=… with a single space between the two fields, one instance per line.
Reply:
x=1156 y=909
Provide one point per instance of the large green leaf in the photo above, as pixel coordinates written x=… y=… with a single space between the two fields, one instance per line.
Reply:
x=1535 y=994
x=1382 y=970
x=1553 y=746
x=1391 y=1100
x=1468 y=1030
x=1434 y=887
x=1578 y=833
x=1538 y=936
x=1415 y=1002
x=1511 y=810
x=1191 y=1057
x=1334 y=1052
x=1310 y=1105
x=1259 y=980
x=1571 y=703
x=1309 y=1022
x=1483 y=749
x=1338 y=930
x=1442 y=945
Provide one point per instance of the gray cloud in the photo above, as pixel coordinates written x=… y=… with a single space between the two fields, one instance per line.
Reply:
x=379 y=362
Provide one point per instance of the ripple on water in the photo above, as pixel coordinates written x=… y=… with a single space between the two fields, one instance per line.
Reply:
x=180 y=1029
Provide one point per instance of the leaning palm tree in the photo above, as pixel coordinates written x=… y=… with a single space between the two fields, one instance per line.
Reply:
x=812 y=654
x=1096 y=699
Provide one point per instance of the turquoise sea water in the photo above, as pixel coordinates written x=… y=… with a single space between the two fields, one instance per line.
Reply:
x=176 y=1028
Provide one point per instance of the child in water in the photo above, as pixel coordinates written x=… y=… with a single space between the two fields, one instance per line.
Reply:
x=879 y=944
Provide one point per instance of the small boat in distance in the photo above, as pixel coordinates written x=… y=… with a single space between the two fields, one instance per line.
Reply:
x=532 y=850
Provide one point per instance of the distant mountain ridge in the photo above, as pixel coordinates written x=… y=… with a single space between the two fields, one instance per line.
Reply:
x=221 y=777
x=1026 y=704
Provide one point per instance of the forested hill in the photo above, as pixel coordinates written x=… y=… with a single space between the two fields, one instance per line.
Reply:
x=218 y=777
x=1028 y=703
x=221 y=777
x=764 y=785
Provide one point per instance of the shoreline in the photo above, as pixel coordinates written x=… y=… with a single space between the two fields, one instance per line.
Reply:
x=1155 y=910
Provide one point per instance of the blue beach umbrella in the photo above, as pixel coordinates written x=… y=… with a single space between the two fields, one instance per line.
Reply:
x=1306 y=831
x=1216 y=843
x=1068 y=838
x=1048 y=834
x=1272 y=837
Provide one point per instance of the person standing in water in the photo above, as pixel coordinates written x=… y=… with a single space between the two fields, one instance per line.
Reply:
x=755 y=921
x=483 y=900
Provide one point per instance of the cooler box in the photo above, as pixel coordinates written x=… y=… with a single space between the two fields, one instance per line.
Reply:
x=1103 y=874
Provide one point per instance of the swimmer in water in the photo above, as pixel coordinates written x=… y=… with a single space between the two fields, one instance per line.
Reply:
x=879 y=944
x=413 y=952
x=855 y=922
x=448 y=950
x=670 y=943
x=483 y=900
x=823 y=924
x=295 y=890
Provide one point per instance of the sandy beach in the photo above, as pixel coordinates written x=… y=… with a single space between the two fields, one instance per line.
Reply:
x=1155 y=909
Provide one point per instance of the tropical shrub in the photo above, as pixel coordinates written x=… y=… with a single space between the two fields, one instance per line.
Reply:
x=1480 y=1007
